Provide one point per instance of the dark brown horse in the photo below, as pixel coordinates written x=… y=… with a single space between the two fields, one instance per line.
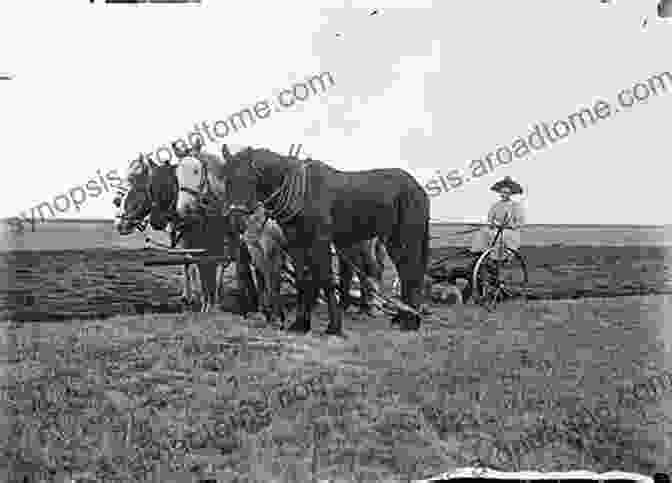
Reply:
x=134 y=203
x=316 y=205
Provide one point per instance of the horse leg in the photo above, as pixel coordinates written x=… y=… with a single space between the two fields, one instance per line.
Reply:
x=324 y=276
x=219 y=290
x=365 y=306
x=249 y=296
x=204 y=296
x=312 y=288
x=199 y=297
x=196 y=298
x=208 y=273
x=302 y=322
x=346 y=274
x=273 y=263
x=276 y=283
x=374 y=275
x=411 y=286
x=186 y=287
x=263 y=289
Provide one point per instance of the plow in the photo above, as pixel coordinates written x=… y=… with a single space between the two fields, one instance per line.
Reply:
x=186 y=257
x=488 y=280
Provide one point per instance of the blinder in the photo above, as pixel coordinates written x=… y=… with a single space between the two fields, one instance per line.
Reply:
x=137 y=223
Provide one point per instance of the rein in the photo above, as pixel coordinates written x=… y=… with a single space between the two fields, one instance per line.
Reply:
x=175 y=237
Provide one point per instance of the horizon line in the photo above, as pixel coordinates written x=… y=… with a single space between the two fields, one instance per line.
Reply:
x=435 y=223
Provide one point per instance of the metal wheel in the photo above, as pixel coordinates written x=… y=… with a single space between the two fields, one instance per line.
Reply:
x=495 y=280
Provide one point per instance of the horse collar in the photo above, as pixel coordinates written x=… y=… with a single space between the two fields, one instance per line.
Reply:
x=203 y=184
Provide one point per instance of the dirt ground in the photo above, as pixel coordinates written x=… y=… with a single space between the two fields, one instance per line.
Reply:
x=96 y=283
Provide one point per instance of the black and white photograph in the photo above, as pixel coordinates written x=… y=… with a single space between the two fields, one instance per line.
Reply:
x=335 y=242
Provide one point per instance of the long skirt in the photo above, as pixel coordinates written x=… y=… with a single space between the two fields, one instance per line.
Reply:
x=482 y=239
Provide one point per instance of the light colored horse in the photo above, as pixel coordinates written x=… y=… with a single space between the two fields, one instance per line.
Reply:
x=134 y=203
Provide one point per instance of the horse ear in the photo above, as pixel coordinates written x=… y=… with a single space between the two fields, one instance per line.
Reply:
x=226 y=154
x=150 y=161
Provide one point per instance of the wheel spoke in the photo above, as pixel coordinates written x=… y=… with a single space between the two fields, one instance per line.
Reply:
x=497 y=280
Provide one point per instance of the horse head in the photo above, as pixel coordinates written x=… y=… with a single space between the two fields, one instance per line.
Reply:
x=132 y=199
x=251 y=177
x=200 y=184
x=163 y=194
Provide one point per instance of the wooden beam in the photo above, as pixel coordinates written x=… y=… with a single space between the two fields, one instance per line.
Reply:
x=186 y=260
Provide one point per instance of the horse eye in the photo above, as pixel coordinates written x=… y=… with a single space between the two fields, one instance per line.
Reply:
x=117 y=202
x=195 y=171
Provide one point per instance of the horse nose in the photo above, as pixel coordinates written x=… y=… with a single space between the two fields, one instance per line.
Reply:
x=191 y=210
x=121 y=227
x=157 y=221
x=178 y=223
x=238 y=222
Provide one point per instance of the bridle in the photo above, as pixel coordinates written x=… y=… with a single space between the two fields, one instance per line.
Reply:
x=206 y=197
x=207 y=202
x=136 y=223
x=288 y=195
x=244 y=209
x=149 y=204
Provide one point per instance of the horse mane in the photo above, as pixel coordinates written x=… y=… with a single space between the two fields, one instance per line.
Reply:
x=215 y=164
x=287 y=201
x=137 y=168
x=293 y=163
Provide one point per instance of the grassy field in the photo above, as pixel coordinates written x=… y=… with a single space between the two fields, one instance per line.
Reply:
x=139 y=397
x=557 y=383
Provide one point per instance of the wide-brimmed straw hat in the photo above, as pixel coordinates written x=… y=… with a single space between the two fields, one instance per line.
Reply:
x=180 y=149
x=507 y=182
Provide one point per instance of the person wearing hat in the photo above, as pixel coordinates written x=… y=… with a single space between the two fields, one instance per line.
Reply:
x=180 y=149
x=505 y=211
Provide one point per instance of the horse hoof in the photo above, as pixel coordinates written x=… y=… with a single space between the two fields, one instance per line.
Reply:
x=335 y=331
x=299 y=328
x=411 y=323
x=366 y=311
x=407 y=322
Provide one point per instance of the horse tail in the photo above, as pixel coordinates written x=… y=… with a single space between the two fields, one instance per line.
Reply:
x=425 y=247
x=379 y=254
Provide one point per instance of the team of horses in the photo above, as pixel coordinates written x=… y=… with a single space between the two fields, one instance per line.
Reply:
x=269 y=211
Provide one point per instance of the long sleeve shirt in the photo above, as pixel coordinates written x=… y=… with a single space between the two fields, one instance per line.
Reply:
x=500 y=211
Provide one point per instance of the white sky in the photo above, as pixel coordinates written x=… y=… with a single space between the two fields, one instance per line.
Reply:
x=423 y=88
